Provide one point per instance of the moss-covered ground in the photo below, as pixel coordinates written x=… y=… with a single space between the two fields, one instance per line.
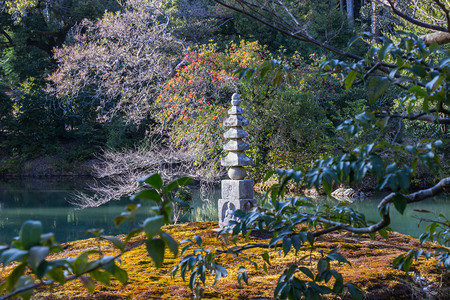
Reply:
x=370 y=269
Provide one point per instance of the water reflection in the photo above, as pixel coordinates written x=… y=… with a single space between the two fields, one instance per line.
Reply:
x=46 y=200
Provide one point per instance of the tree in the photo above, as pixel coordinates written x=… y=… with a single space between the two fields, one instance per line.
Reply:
x=114 y=66
x=47 y=23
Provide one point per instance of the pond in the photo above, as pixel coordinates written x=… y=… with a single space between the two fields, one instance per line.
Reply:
x=48 y=201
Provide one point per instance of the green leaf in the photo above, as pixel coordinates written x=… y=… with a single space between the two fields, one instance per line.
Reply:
x=277 y=79
x=355 y=292
x=242 y=275
x=23 y=282
x=310 y=238
x=103 y=277
x=419 y=91
x=176 y=183
x=441 y=250
x=37 y=255
x=419 y=70
x=434 y=83
x=383 y=233
x=222 y=272
x=307 y=272
x=444 y=62
x=350 y=78
x=57 y=275
x=132 y=234
x=15 y=275
x=323 y=265
x=353 y=39
x=264 y=70
x=11 y=255
x=154 y=180
x=296 y=242
x=384 y=51
x=268 y=175
x=334 y=255
x=171 y=243
x=30 y=234
x=155 y=249
x=120 y=275
x=192 y=280
x=116 y=242
x=88 y=283
x=149 y=194
x=119 y=220
x=408 y=262
x=287 y=244
x=265 y=257
x=152 y=226
x=400 y=202
x=80 y=264
x=198 y=240
x=377 y=87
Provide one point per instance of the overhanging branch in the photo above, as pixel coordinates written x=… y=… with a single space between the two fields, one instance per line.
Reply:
x=296 y=34
x=418 y=116
x=393 y=8
x=440 y=187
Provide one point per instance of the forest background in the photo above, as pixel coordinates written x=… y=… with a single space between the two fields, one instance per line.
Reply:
x=122 y=81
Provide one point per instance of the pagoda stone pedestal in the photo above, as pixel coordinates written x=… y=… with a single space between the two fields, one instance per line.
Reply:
x=237 y=192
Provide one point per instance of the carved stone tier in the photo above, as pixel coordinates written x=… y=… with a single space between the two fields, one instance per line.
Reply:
x=235 y=133
x=235 y=120
x=236 y=145
x=236 y=159
x=235 y=110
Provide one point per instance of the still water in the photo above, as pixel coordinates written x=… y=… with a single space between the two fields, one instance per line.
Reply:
x=48 y=201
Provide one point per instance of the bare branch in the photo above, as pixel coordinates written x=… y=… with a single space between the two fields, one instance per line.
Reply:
x=119 y=171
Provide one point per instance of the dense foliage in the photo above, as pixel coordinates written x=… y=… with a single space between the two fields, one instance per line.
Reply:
x=322 y=120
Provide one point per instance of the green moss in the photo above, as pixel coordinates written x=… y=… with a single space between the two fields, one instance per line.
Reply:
x=370 y=268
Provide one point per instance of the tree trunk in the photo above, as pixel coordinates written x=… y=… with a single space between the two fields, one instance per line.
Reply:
x=439 y=37
x=341 y=5
x=373 y=26
x=350 y=11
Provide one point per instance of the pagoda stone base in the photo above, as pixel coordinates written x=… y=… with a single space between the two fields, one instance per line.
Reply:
x=236 y=194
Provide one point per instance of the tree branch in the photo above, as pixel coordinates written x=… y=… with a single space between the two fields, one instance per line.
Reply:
x=296 y=34
x=49 y=282
x=441 y=38
x=404 y=16
x=442 y=186
x=10 y=42
x=445 y=10
x=385 y=221
x=419 y=117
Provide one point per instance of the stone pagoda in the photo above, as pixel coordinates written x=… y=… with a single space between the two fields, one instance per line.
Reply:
x=237 y=192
